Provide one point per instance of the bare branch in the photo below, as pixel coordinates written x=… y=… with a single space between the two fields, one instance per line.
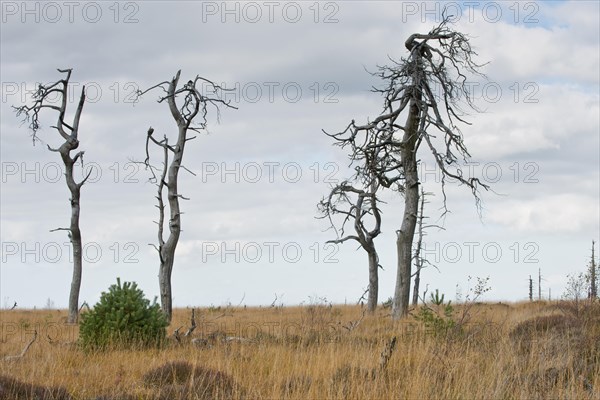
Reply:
x=60 y=229
x=69 y=133
x=195 y=102
x=182 y=167
x=191 y=115
x=427 y=89
x=352 y=325
x=362 y=297
x=192 y=325
x=27 y=346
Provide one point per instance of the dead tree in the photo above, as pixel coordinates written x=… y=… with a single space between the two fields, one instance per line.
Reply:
x=43 y=99
x=420 y=262
x=355 y=204
x=427 y=89
x=539 y=284
x=592 y=276
x=189 y=117
x=530 y=288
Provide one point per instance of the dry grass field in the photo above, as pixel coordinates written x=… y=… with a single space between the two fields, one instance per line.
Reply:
x=318 y=351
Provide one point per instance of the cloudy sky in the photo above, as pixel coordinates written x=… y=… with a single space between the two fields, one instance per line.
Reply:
x=295 y=68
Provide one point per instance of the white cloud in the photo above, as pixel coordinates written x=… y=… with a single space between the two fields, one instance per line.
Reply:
x=562 y=114
x=564 y=50
x=559 y=134
x=557 y=214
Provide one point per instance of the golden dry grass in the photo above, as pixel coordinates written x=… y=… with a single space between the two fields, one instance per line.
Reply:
x=537 y=350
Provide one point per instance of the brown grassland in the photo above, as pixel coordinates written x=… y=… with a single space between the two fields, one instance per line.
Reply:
x=534 y=350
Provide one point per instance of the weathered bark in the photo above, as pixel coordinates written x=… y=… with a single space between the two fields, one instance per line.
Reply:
x=74 y=234
x=592 y=275
x=417 y=283
x=411 y=207
x=194 y=104
x=370 y=247
x=357 y=210
x=418 y=258
x=439 y=59
x=69 y=132
x=373 y=281
x=164 y=282
x=167 y=248
x=74 y=231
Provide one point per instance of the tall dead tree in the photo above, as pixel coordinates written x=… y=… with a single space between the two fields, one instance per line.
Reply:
x=355 y=204
x=593 y=275
x=426 y=89
x=530 y=288
x=420 y=261
x=189 y=117
x=539 y=284
x=69 y=131
x=418 y=258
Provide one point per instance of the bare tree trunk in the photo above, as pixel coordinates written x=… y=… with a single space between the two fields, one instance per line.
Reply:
x=69 y=132
x=74 y=235
x=418 y=259
x=415 y=299
x=373 y=281
x=168 y=177
x=438 y=60
x=341 y=200
x=164 y=282
x=168 y=248
x=593 y=277
x=411 y=207
x=194 y=105
x=539 y=284
x=530 y=288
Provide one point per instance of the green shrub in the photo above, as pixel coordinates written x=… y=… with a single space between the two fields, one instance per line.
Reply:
x=122 y=318
x=438 y=317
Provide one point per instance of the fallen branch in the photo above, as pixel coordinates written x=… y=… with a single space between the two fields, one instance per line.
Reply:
x=192 y=325
x=188 y=333
x=354 y=324
x=19 y=356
